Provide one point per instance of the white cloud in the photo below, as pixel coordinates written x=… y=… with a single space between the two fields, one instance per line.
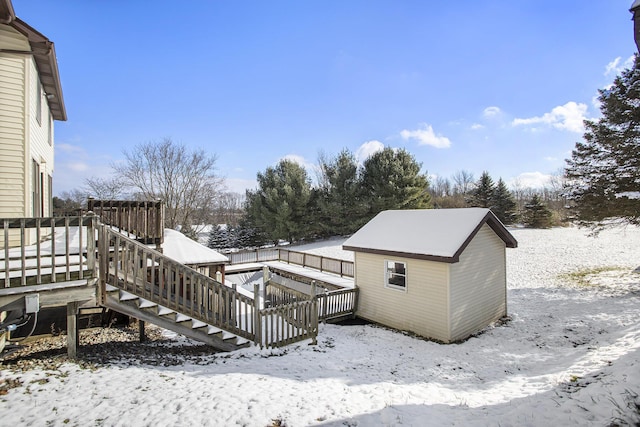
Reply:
x=531 y=180
x=240 y=185
x=565 y=117
x=69 y=148
x=77 y=166
x=367 y=149
x=477 y=126
x=616 y=66
x=491 y=112
x=426 y=136
x=310 y=167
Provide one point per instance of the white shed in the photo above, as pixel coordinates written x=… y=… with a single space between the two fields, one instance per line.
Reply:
x=440 y=273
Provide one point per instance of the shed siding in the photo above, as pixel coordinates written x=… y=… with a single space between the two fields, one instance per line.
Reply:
x=422 y=309
x=478 y=285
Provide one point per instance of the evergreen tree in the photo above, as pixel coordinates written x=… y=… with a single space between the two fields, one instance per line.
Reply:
x=218 y=238
x=391 y=179
x=482 y=195
x=339 y=208
x=281 y=204
x=604 y=170
x=503 y=204
x=536 y=214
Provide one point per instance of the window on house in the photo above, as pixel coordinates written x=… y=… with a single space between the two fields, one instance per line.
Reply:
x=36 y=190
x=396 y=275
x=39 y=102
x=50 y=195
x=50 y=135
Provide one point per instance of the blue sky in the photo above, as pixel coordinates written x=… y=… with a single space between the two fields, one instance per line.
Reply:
x=500 y=86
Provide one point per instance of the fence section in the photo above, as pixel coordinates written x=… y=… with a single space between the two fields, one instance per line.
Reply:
x=331 y=304
x=320 y=263
x=286 y=324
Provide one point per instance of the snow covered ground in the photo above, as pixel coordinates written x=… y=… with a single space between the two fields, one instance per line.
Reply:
x=570 y=355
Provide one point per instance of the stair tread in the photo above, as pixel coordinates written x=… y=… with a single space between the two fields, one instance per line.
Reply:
x=197 y=324
x=182 y=317
x=127 y=296
x=146 y=303
x=162 y=311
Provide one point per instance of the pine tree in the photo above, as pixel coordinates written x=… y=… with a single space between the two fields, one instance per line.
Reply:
x=391 y=179
x=280 y=207
x=218 y=238
x=482 y=195
x=503 y=205
x=339 y=207
x=604 y=170
x=536 y=214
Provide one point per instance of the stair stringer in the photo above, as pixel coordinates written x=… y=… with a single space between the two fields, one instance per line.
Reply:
x=222 y=340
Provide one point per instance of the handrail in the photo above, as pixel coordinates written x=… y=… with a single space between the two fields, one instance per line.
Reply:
x=147 y=273
x=331 y=304
x=63 y=249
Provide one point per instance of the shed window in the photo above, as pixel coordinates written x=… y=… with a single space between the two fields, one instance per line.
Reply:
x=396 y=275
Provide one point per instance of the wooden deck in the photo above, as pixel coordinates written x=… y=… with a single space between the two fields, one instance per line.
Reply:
x=79 y=259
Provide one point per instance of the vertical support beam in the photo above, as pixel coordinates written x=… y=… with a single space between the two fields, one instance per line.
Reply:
x=72 y=329
x=257 y=328
x=265 y=274
x=143 y=336
x=91 y=244
x=314 y=313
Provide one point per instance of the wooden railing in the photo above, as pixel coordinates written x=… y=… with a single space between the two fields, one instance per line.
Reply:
x=133 y=267
x=289 y=323
x=63 y=249
x=143 y=220
x=320 y=263
x=331 y=304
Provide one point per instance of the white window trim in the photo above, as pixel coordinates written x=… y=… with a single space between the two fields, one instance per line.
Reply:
x=386 y=277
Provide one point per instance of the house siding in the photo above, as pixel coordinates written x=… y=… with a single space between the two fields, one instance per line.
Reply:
x=422 y=308
x=23 y=139
x=40 y=149
x=12 y=135
x=478 y=285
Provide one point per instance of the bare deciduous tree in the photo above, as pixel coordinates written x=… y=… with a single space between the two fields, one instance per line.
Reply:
x=185 y=180
x=463 y=182
x=104 y=188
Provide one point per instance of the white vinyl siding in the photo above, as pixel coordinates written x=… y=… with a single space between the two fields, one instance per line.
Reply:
x=38 y=133
x=13 y=168
x=422 y=309
x=478 y=285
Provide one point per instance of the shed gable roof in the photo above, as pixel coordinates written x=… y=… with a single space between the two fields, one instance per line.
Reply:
x=430 y=234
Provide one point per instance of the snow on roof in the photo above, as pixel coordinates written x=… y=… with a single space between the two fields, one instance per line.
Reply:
x=435 y=234
x=186 y=251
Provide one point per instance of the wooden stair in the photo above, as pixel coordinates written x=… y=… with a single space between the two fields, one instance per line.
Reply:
x=148 y=311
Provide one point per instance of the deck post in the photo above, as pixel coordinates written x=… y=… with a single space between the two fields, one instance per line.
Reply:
x=91 y=244
x=257 y=328
x=72 y=329
x=141 y=334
